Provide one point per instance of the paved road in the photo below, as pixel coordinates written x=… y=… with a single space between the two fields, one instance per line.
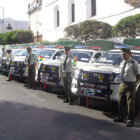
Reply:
x=37 y=115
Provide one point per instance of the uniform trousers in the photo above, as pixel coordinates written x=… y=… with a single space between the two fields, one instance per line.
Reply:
x=126 y=102
x=31 y=76
x=67 y=84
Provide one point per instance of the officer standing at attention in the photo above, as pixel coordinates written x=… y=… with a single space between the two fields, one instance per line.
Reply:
x=130 y=75
x=31 y=61
x=65 y=73
x=4 y=54
x=9 y=61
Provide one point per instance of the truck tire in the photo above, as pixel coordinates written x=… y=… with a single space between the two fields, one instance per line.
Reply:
x=47 y=88
x=74 y=100
x=82 y=101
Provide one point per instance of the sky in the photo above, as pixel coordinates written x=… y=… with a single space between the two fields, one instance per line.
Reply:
x=15 y=9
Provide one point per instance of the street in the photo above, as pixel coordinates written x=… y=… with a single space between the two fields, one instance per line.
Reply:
x=27 y=114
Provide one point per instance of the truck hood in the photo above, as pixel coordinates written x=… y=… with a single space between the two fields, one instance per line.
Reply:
x=4 y=58
x=52 y=62
x=101 y=68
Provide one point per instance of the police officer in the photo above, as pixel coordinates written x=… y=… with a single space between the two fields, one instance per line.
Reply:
x=65 y=73
x=9 y=61
x=31 y=61
x=4 y=54
x=130 y=75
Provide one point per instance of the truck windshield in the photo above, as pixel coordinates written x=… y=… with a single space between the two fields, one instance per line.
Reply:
x=136 y=56
x=82 y=56
x=24 y=53
x=15 y=52
x=115 y=58
x=110 y=58
x=45 y=53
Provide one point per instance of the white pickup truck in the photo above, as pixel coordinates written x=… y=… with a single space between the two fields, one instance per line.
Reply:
x=101 y=79
x=49 y=72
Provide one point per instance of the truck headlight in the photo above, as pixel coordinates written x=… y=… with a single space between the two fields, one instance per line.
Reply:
x=85 y=75
x=76 y=73
x=116 y=79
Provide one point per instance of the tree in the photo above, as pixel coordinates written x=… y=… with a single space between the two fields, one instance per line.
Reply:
x=73 y=32
x=23 y=37
x=92 y=29
x=16 y=36
x=88 y=30
x=128 y=27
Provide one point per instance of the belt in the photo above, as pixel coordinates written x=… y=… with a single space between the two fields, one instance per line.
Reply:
x=128 y=83
x=67 y=73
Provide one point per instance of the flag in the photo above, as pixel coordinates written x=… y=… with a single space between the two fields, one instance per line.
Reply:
x=40 y=58
x=74 y=61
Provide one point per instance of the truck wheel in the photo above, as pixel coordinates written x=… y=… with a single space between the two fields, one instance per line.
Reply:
x=82 y=101
x=137 y=102
x=46 y=88
x=74 y=100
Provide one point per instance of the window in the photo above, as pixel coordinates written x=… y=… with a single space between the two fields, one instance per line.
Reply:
x=73 y=12
x=93 y=7
x=9 y=27
x=57 y=18
x=59 y=55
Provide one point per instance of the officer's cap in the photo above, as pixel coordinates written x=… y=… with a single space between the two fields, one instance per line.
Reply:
x=9 y=51
x=29 y=49
x=125 y=51
x=67 y=48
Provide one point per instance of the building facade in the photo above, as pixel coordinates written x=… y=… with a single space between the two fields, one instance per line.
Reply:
x=48 y=18
x=10 y=24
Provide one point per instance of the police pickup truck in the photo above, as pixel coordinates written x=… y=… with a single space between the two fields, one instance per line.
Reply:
x=49 y=72
x=17 y=68
x=20 y=69
x=3 y=63
x=101 y=79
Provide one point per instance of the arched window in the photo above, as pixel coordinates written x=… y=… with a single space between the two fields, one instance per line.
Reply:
x=56 y=16
x=71 y=11
x=9 y=27
x=93 y=8
x=90 y=8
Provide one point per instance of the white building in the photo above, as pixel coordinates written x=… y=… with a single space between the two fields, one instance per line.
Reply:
x=11 y=24
x=48 y=18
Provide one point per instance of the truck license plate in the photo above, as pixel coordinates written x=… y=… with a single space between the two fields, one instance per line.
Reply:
x=88 y=92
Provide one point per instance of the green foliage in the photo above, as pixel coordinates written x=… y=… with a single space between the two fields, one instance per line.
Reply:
x=88 y=30
x=73 y=32
x=22 y=37
x=16 y=36
x=128 y=27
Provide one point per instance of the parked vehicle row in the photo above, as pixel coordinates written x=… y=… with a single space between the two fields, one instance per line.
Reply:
x=96 y=74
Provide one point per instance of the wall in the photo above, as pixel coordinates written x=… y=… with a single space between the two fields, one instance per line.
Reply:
x=110 y=11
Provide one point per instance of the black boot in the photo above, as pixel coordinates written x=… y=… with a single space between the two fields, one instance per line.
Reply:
x=118 y=119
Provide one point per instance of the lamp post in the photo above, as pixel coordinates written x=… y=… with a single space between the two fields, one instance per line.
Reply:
x=3 y=17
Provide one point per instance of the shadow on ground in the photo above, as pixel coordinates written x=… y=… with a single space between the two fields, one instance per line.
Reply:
x=25 y=122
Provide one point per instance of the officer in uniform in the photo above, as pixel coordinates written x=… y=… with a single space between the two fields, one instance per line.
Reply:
x=9 y=61
x=65 y=73
x=4 y=54
x=130 y=75
x=31 y=61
